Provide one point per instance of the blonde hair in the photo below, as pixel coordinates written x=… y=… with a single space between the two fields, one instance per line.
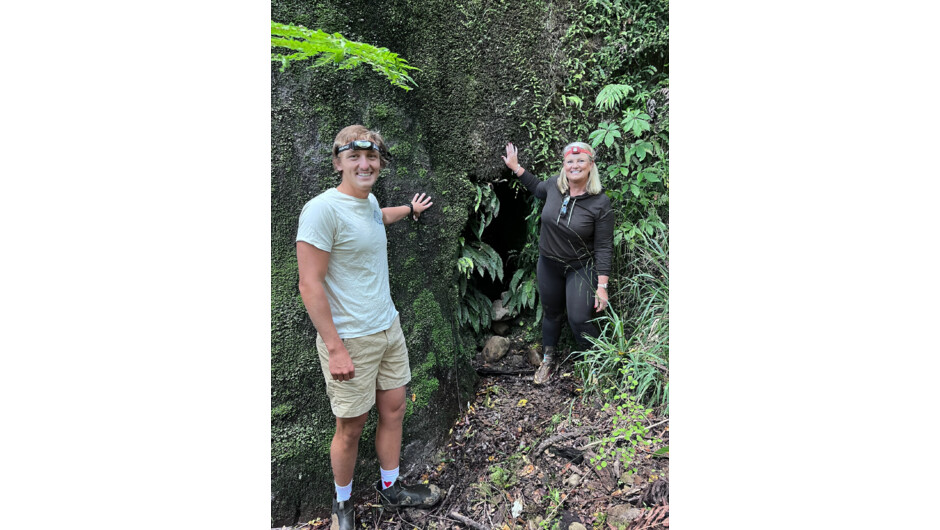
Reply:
x=594 y=179
x=358 y=132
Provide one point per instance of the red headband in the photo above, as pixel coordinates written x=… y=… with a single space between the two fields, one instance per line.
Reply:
x=577 y=150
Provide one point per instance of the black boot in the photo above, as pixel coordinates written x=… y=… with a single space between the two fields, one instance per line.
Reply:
x=400 y=495
x=344 y=515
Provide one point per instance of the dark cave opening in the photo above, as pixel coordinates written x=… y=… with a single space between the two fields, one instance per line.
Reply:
x=506 y=234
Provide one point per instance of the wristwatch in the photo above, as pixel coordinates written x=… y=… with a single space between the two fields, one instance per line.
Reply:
x=602 y=285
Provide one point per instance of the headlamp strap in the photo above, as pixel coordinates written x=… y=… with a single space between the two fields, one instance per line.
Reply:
x=357 y=145
x=577 y=150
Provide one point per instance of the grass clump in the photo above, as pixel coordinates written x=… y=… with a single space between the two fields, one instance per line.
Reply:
x=637 y=348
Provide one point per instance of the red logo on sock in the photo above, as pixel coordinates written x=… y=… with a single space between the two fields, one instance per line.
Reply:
x=387 y=484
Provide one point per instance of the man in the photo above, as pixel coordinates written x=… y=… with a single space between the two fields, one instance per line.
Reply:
x=343 y=265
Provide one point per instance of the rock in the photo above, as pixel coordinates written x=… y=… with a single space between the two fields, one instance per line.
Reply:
x=533 y=355
x=573 y=480
x=495 y=348
x=499 y=312
x=576 y=526
x=622 y=514
x=569 y=520
x=500 y=328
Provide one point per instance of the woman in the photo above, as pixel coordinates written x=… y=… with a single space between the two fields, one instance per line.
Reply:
x=575 y=247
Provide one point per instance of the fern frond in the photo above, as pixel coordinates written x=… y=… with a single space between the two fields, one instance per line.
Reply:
x=611 y=96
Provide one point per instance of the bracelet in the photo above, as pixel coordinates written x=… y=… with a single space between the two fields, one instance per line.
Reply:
x=412 y=208
x=516 y=173
x=602 y=286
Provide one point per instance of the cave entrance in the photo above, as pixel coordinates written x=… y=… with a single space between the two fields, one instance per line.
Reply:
x=506 y=234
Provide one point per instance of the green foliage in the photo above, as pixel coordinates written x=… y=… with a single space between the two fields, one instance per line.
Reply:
x=627 y=430
x=480 y=258
x=610 y=96
x=502 y=478
x=637 y=176
x=523 y=293
x=336 y=50
x=635 y=353
x=555 y=499
x=486 y=206
x=636 y=122
x=476 y=310
x=606 y=133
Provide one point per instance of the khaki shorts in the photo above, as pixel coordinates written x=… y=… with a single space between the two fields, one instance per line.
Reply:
x=381 y=363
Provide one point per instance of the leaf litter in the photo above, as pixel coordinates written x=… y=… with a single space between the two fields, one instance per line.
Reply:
x=519 y=458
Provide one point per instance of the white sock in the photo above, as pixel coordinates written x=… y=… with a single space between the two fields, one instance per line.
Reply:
x=343 y=492
x=388 y=477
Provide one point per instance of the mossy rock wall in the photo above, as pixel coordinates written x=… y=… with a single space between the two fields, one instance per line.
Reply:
x=485 y=68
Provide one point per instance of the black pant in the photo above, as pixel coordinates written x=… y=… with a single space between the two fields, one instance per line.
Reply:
x=562 y=287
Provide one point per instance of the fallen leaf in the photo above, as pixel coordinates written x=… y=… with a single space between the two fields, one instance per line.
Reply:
x=522 y=402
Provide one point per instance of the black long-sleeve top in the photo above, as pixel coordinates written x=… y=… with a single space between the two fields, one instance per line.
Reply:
x=586 y=230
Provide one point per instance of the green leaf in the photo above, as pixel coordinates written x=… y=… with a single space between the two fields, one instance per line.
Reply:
x=611 y=96
x=636 y=121
x=345 y=54
x=610 y=137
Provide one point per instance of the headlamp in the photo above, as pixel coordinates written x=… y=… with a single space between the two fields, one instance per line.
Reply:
x=577 y=150
x=357 y=145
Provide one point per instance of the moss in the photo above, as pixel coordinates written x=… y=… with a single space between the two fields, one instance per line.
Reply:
x=422 y=388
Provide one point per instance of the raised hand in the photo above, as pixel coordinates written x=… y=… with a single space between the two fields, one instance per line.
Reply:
x=420 y=204
x=512 y=157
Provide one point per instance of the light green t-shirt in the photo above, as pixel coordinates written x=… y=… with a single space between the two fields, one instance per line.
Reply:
x=351 y=230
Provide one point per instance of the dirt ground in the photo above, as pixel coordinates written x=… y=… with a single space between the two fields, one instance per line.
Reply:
x=520 y=458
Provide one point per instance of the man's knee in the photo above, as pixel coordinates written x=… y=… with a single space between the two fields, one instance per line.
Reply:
x=350 y=429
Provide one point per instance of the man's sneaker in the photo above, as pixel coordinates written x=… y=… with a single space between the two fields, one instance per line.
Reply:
x=400 y=495
x=344 y=516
